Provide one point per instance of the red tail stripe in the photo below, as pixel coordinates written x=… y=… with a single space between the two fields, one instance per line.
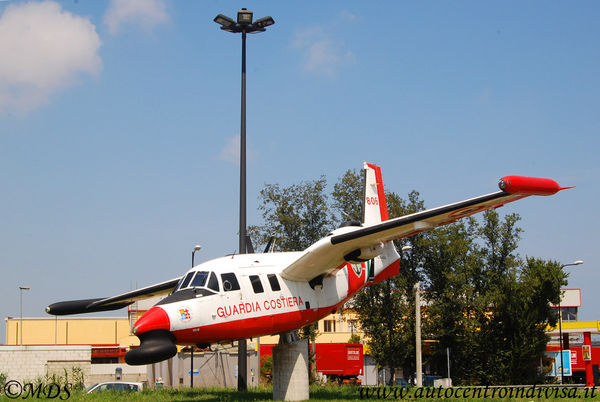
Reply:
x=380 y=192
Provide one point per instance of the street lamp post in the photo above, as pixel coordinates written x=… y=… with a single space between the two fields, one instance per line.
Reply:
x=21 y=289
x=196 y=248
x=244 y=25
x=562 y=367
x=418 y=334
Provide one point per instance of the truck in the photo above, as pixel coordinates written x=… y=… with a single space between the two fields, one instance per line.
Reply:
x=340 y=362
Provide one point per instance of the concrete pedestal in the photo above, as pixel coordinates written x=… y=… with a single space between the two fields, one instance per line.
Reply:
x=290 y=371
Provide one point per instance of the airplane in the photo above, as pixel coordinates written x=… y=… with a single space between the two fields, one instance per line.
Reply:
x=249 y=295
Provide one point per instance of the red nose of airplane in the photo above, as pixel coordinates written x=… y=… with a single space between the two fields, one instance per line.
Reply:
x=155 y=318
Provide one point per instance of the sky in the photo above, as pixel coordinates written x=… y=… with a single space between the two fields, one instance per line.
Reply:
x=120 y=121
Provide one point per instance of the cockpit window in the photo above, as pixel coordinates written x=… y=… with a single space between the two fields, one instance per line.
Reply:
x=213 y=283
x=200 y=279
x=230 y=282
x=186 y=280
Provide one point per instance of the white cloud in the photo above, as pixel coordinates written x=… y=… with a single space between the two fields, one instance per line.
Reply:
x=321 y=54
x=347 y=16
x=43 y=49
x=231 y=151
x=144 y=13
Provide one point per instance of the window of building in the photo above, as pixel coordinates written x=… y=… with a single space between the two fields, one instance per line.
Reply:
x=230 y=282
x=329 y=326
x=274 y=282
x=256 y=284
x=569 y=313
x=352 y=326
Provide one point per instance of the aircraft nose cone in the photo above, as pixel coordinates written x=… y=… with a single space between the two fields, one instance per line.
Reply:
x=155 y=318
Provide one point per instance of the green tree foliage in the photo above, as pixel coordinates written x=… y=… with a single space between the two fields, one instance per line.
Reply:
x=354 y=338
x=297 y=215
x=347 y=197
x=485 y=304
x=266 y=369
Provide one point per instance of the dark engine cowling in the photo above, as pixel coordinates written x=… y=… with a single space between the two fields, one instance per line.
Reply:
x=155 y=346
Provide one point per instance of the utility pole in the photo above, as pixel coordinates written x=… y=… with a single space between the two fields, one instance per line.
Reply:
x=418 y=333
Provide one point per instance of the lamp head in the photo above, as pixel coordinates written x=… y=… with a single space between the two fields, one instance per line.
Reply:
x=244 y=17
x=197 y=247
x=264 y=22
x=227 y=24
x=24 y=287
x=224 y=21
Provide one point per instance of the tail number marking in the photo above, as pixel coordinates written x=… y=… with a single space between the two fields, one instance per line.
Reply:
x=372 y=201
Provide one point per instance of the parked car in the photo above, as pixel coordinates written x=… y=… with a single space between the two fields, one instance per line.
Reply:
x=401 y=382
x=119 y=386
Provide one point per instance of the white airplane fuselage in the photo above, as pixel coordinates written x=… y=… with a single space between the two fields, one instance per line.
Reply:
x=228 y=311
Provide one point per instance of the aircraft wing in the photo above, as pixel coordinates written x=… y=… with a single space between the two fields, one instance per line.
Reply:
x=329 y=253
x=112 y=303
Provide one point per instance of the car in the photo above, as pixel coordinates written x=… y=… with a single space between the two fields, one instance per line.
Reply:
x=401 y=382
x=119 y=386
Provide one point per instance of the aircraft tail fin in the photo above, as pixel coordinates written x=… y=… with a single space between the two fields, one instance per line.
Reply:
x=375 y=211
x=374 y=204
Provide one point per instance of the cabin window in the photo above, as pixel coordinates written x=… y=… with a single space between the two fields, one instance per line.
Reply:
x=256 y=284
x=186 y=280
x=230 y=282
x=213 y=283
x=200 y=279
x=274 y=282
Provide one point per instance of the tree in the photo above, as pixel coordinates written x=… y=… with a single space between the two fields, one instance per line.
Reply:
x=347 y=197
x=354 y=338
x=378 y=308
x=297 y=215
x=448 y=265
x=486 y=304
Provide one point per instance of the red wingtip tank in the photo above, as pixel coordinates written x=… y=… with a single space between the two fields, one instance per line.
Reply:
x=529 y=185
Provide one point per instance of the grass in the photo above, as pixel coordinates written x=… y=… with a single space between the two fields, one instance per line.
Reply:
x=317 y=393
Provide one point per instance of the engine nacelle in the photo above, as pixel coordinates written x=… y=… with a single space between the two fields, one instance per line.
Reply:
x=365 y=253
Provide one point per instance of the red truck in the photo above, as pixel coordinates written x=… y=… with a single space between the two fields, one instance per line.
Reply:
x=342 y=362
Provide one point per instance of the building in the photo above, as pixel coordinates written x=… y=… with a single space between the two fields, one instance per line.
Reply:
x=581 y=350
x=96 y=347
